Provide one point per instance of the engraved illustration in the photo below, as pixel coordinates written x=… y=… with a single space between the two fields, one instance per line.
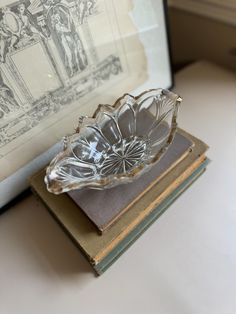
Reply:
x=48 y=60
x=85 y=9
x=62 y=27
x=8 y=35
x=17 y=28
x=7 y=99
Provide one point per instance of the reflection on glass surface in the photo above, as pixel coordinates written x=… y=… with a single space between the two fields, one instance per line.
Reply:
x=118 y=144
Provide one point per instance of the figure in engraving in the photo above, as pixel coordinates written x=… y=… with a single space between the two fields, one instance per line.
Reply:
x=28 y=23
x=64 y=33
x=9 y=32
x=5 y=42
x=7 y=99
x=85 y=8
x=17 y=24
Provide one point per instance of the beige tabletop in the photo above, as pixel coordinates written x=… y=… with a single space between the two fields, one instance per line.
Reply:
x=185 y=263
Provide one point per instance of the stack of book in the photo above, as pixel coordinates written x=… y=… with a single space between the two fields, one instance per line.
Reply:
x=103 y=224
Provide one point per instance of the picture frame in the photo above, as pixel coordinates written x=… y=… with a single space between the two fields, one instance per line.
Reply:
x=143 y=61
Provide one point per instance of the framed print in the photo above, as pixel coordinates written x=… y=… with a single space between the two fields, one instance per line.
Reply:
x=58 y=60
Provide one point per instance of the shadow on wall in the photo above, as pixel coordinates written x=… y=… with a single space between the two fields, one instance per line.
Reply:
x=194 y=37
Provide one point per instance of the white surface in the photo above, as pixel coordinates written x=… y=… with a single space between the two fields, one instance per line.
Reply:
x=185 y=263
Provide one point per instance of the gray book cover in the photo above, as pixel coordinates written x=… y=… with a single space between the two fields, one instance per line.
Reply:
x=104 y=207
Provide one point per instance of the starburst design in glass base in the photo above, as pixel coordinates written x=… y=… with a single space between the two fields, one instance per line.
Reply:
x=124 y=156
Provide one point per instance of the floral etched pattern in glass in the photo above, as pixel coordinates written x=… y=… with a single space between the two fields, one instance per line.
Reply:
x=117 y=144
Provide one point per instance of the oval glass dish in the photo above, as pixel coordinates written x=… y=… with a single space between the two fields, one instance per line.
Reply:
x=116 y=145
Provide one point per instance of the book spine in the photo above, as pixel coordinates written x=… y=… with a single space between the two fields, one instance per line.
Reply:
x=143 y=226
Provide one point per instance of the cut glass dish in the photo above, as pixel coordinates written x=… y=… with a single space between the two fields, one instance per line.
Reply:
x=116 y=145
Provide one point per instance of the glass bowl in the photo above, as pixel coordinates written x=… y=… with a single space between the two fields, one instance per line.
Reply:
x=118 y=144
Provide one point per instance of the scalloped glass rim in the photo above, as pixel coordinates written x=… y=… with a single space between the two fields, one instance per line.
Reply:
x=99 y=161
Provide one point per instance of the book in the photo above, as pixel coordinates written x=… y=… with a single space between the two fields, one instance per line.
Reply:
x=97 y=248
x=104 y=264
x=105 y=207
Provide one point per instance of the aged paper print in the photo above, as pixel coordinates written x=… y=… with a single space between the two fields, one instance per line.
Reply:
x=59 y=59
